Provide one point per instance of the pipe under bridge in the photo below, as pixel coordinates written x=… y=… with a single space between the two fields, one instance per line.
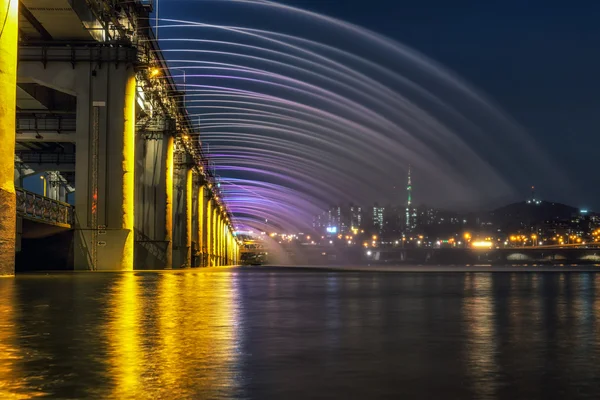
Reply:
x=87 y=94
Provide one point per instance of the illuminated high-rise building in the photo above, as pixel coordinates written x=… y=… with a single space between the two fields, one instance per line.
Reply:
x=409 y=221
x=378 y=218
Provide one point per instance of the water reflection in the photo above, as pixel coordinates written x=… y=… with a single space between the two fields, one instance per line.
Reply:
x=268 y=334
x=13 y=384
x=479 y=318
x=126 y=358
x=187 y=348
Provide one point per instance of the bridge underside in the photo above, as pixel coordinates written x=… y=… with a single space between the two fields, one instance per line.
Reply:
x=102 y=130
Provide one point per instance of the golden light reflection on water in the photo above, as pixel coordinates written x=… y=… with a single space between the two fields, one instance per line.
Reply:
x=478 y=309
x=126 y=358
x=13 y=379
x=176 y=339
x=9 y=377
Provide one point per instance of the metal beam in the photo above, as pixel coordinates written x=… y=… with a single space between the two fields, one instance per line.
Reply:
x=74 y=52
x=45 y=124
x=34 y=22
x=46 y=137
x=32 y=158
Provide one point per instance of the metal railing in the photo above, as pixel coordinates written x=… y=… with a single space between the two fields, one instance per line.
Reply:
x=158 y=248
x=40 y=157
x=46 y=123
x=43 y=209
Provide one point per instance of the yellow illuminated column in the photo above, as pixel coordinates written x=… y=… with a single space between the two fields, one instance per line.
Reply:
x=188 y=216
x=220 y=240
x=213 y=241
x=217 y=236
x=229 y=253
x=8 y=102
x=128 y=170
x=208 y=233
x=223 y=246
x=229 y=247
x=201 y=229
x=226 y=242
x=169 y=202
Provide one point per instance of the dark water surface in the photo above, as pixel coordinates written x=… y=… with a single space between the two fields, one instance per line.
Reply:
x=281 y=334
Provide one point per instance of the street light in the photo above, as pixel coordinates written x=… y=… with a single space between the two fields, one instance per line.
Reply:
x=43 y=178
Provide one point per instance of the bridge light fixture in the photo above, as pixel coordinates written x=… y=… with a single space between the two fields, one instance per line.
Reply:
x=154 y=72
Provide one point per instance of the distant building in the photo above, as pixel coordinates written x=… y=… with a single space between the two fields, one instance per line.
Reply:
x=378 y=218
x=355 y=217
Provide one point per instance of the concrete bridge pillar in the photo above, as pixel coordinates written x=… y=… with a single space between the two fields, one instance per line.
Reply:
x=182 y=213
x=218 y=236
x=214 y=235
x=8 y=103
x=210 y=231
x=154 y=201
x=199 y=229
x=105 y=141
x=223 y=237
x=104 y=199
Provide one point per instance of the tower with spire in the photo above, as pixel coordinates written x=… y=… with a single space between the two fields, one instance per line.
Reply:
x=409 y=200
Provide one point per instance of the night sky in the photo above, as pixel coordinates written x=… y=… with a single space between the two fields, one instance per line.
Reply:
x=537 y=60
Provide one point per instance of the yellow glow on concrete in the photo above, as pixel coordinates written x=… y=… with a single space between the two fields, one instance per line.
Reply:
x=8 y=105
x=220 y=238
x=201 y=228
x=188 y=215
x=128 y=170
x=169 y=142
x=208 y=232
x=217 y=242
x=214 y=236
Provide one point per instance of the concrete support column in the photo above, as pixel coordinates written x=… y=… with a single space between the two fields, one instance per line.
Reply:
x=154 y=201
x=214 y=238
x=8 y=102
x=223 y=245
x=208 y=234
x=53 y=185
x=228 y=247
x=188 y=216
x=104 y=199
x=218 y=238
x=62 y=193
x=221 y=241
x=182 y=211
x=201 y=228
x=168 y=166
x=195 y=223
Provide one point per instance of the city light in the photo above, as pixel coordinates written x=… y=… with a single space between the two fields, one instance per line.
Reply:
x=482 y=244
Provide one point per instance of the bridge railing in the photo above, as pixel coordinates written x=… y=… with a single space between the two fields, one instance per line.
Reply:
x=43 y=209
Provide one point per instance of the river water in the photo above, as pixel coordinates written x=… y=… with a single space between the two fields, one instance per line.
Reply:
x=274 y=333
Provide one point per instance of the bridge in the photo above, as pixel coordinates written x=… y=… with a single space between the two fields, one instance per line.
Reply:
x=589 y=253
x=88 y=102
